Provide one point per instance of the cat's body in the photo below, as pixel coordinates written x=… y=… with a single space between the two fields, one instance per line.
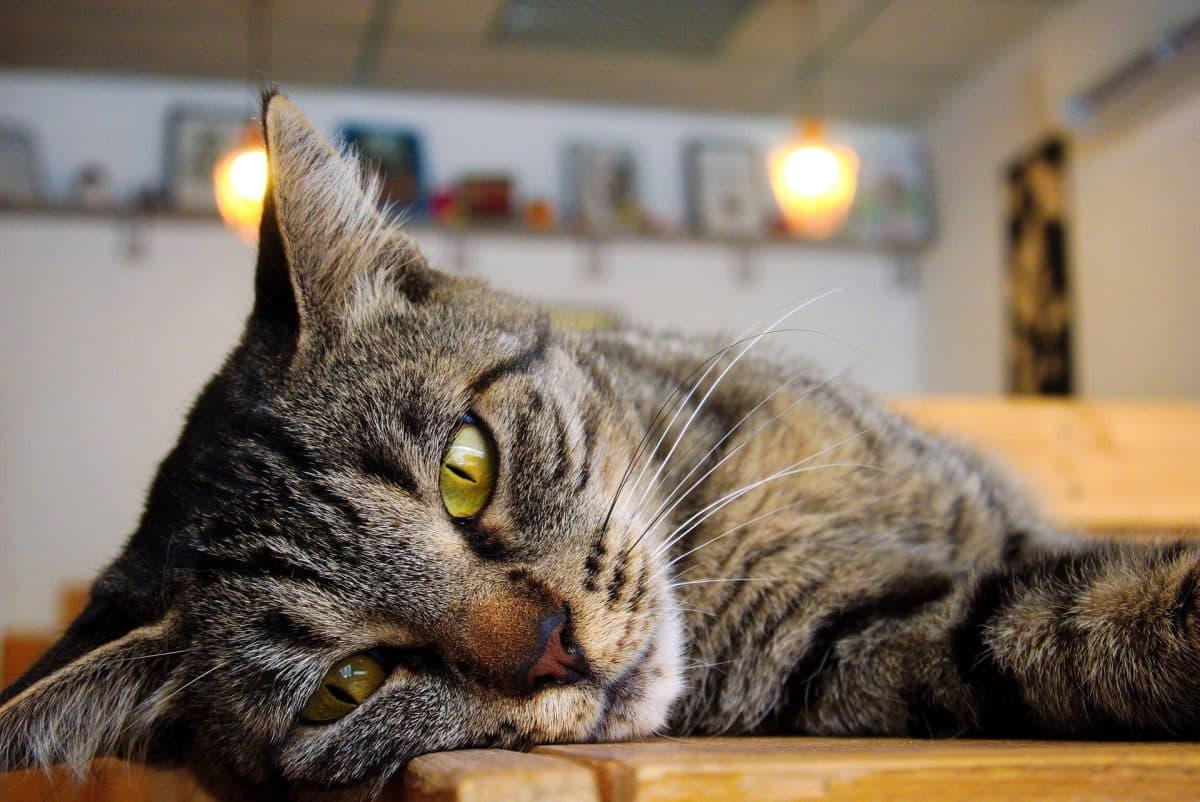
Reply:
x=673 y=536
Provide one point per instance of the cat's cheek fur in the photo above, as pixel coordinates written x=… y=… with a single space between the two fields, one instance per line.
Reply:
x=641 y=704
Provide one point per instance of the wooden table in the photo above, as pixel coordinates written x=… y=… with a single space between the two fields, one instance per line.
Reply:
x=777 y=769
x=730 y=770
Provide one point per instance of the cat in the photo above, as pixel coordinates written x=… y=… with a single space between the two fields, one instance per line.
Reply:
x=409 y=514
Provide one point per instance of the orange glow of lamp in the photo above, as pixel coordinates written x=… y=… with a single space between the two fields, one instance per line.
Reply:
x=814 y=181
x=240 y=181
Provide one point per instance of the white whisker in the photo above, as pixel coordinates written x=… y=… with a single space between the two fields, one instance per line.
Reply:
x=659 y=513
x=682 y=532
x=709 y=665
x=156 y=654
x=730 y=531
x=708 y=393
x=682 y=404
x=725 y=579
x=735 y=494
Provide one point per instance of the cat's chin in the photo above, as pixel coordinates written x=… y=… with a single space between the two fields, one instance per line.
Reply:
x=638 y=703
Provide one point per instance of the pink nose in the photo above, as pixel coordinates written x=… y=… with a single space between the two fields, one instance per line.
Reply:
x=560 y=660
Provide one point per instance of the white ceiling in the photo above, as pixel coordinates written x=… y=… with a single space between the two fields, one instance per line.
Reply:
x=872 y=60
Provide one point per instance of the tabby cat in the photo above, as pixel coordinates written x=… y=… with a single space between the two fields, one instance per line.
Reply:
x=409 y=514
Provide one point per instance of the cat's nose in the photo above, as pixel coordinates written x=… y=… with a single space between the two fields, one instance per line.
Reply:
x=517 y=644
x=557 y=658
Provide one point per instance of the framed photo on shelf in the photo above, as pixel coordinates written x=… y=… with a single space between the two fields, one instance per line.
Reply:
x=196 y=138
x=725 y=182
x=399 y=158
x=20 y=178
x=601 y=188
x=891 y=209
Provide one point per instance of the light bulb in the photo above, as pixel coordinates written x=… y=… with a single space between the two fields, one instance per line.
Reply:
x=811 y=171
x=814 y=182
x=240 y=182
x=248 y=174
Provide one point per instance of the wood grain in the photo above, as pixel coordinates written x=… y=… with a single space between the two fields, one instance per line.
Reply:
x=490 y=775
x=858 y=770
x=1106 y=466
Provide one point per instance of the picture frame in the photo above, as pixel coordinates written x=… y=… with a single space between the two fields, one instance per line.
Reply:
x=20 y=174
x=892 y=209
x=195 y=138
x=602 y=188
x=397 y=154
x=726 y=187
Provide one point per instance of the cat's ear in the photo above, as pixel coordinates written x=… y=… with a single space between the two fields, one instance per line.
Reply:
x=93 y=695
x=323 y=240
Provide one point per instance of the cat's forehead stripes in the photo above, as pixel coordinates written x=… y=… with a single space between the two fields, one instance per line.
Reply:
x=522 y=362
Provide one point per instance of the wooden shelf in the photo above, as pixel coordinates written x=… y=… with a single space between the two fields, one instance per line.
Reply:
x=471 y=231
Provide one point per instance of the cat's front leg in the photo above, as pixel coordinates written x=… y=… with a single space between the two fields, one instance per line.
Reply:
x=1102 y=641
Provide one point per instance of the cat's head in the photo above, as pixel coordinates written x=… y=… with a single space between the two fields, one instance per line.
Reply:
x=382 y=532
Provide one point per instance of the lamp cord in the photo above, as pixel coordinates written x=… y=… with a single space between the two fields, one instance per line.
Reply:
x=258 y=40
x=810 y=68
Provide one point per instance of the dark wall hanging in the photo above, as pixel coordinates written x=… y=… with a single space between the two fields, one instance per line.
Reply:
x=1038 y=280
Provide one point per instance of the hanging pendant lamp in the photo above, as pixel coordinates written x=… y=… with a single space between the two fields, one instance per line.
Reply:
x=240 y=175
x=240 y=182
x=814 y=179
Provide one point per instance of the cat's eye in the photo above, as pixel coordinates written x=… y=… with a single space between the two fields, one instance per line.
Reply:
x=468 y=472
x=344 y=687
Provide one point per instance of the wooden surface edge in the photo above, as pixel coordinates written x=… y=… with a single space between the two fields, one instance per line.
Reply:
x=858 y=770
x=484 y=775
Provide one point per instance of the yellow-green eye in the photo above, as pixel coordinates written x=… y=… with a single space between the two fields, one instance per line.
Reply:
x=345 y=686
x=468 y=472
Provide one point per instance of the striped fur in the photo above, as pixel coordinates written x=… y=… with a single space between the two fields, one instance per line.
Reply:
x=745 y=545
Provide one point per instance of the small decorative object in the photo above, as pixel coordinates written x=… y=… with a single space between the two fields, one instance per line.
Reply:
x=443 y=206
x=485 y=198
x=397 y=155
x=814 y=181
x=602 y=189
x=90 y=188
x=725 y=190
x=196 y=139
x=20 y=181
x=538 y=215
x=1039 y=303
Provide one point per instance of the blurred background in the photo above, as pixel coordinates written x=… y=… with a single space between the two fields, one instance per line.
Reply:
x=1006 y=192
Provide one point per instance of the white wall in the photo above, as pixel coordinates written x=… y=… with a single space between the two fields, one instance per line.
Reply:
x=1134 y=218
x=100 y=355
